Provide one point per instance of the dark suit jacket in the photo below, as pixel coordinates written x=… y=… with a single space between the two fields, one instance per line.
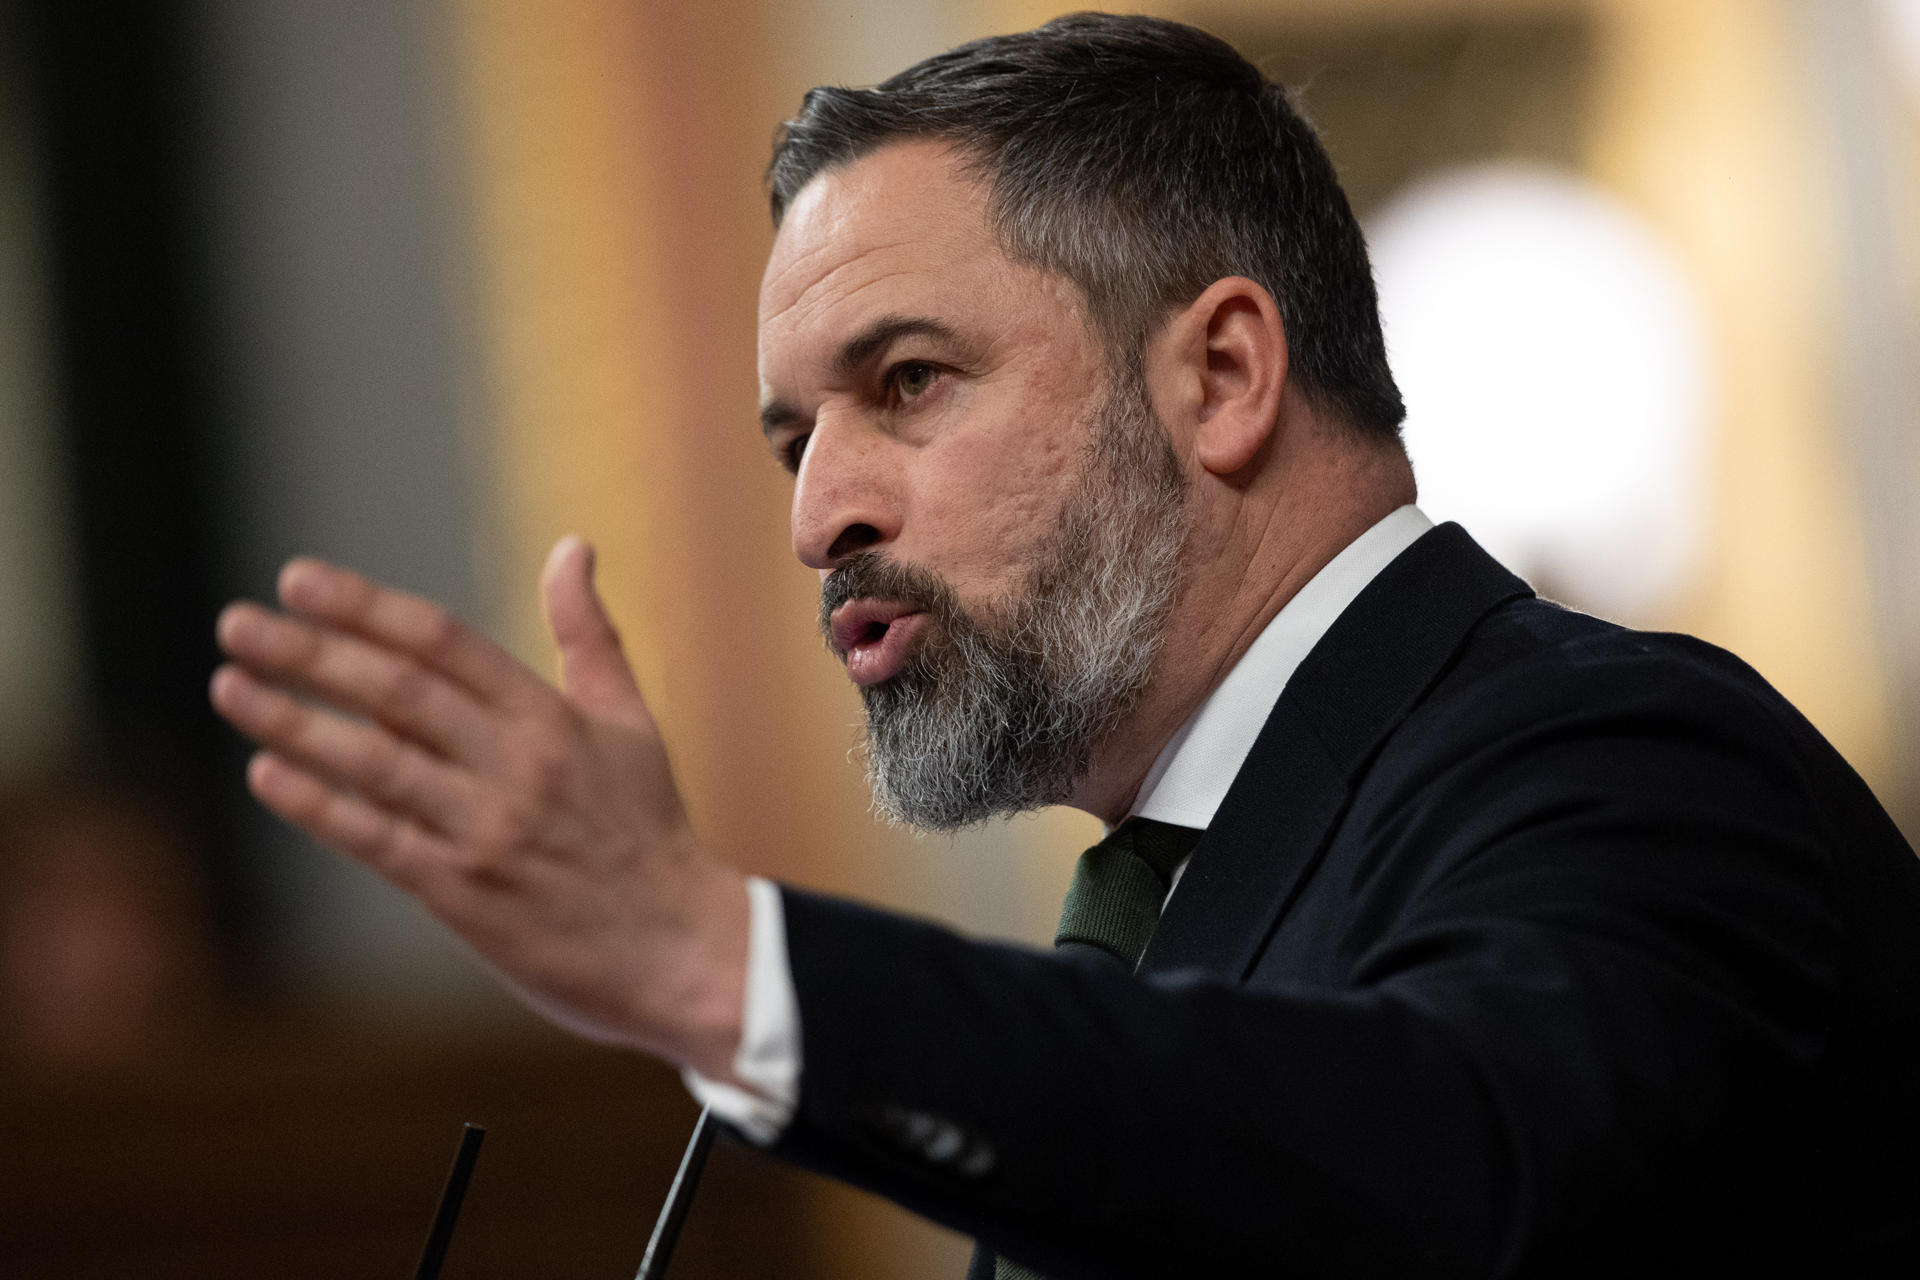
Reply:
x=1523 y=944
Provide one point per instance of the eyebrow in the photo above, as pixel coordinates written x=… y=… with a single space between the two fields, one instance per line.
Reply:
x=859 y=349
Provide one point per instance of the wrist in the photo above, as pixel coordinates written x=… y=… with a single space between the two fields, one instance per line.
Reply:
x=702 y=1016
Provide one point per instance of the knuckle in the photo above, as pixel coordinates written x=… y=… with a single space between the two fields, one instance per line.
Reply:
x=283 y=719
x=540 y=777
x=382 y=766
x=378 y=845
x=357 y=596
x=296 y=799
x=354 y=827
x=440 y=631
x=297 y=646
x=497 y=829
x=492 y=851
x=398 y=858
x=393 y=850
x=408 y=688
x=563 y=724
x=551 y=771
x=543 y=763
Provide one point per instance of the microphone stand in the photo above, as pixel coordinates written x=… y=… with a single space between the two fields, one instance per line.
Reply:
x=441 y=1234
x=666 y=1232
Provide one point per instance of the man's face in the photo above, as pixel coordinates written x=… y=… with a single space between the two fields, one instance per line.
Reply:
x=996 y=518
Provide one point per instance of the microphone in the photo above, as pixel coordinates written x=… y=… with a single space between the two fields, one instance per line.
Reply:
x=441 y=1233
x=666 y=1232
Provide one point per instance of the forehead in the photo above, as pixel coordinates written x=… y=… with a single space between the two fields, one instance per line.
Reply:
x=900 y=231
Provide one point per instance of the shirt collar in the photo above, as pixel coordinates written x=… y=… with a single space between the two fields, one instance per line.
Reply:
x=1190 y=778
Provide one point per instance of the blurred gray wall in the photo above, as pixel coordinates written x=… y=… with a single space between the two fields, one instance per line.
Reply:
x=40 y=659
x=331 y=216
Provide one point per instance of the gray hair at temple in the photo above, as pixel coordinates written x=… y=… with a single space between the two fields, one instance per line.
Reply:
x=1143 y=160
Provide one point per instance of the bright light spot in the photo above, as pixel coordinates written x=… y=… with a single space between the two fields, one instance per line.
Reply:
x=1555 y=373
x=1900 y=20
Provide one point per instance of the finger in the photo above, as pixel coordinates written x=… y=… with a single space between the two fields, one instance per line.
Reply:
x=593 y=666
x=396 y=689
x=362 y=757
x=351 y=824
x=408 y=624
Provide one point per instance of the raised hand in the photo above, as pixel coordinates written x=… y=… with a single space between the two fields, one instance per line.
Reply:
x=544 y=827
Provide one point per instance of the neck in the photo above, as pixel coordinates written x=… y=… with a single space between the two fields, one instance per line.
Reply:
x=1263 y=539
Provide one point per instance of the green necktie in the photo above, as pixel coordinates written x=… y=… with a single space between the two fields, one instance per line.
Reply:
x=1112 y=905
x=1118 y=888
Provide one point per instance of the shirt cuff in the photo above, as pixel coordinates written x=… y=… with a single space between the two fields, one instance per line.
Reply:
x=768 y=1060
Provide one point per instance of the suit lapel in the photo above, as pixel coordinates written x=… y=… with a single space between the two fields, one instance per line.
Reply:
x=1357 y=684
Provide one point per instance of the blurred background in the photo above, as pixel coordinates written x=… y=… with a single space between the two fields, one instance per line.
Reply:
x=423 y=286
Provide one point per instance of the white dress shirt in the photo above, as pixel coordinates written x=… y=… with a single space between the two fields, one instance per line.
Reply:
x=1185 y=786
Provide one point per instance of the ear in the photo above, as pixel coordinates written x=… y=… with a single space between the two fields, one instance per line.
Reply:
x=1224 y=358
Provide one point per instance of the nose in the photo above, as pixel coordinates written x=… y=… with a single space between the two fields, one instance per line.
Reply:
x=845 y=498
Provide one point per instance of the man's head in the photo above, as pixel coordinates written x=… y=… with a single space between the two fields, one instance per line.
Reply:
x=974 y=327
x=1143 y=160
x=997 y=515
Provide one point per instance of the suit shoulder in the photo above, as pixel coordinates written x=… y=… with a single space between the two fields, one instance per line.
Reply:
x=1551 y=702
x=1530 y=655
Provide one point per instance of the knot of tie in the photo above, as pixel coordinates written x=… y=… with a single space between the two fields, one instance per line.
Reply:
x=1118 y=888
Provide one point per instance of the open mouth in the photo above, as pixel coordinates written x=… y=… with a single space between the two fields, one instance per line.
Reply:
x=874 y=637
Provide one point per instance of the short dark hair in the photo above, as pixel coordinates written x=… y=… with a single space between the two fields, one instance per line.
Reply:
x=1143 y=160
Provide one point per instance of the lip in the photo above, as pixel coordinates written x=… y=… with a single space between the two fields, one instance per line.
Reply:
x=874 y=637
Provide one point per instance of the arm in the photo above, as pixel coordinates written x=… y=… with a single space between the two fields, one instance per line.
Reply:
x=1568 y=1027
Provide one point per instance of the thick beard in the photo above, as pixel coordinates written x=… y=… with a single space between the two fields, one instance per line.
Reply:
x=1003 y=714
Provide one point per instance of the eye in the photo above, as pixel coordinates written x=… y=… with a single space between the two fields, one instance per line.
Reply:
x=792 y=451
x=912 y=379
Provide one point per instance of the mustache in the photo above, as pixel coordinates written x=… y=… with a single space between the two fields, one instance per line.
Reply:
x=872 y=576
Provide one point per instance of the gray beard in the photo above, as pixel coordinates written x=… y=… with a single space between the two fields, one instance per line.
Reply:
x=1003 y=714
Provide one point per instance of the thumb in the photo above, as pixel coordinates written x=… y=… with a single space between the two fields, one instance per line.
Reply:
x=593 y=668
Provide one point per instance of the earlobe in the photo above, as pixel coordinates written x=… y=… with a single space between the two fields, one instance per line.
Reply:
x=1243 y=346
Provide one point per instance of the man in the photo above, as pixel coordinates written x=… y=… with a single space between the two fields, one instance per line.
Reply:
x=1516 y=943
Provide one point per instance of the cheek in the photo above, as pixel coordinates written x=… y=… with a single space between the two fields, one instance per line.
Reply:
x=1004 y=528
x=981 y=522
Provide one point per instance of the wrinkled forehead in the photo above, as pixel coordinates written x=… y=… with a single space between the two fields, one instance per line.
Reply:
x=900 y=228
